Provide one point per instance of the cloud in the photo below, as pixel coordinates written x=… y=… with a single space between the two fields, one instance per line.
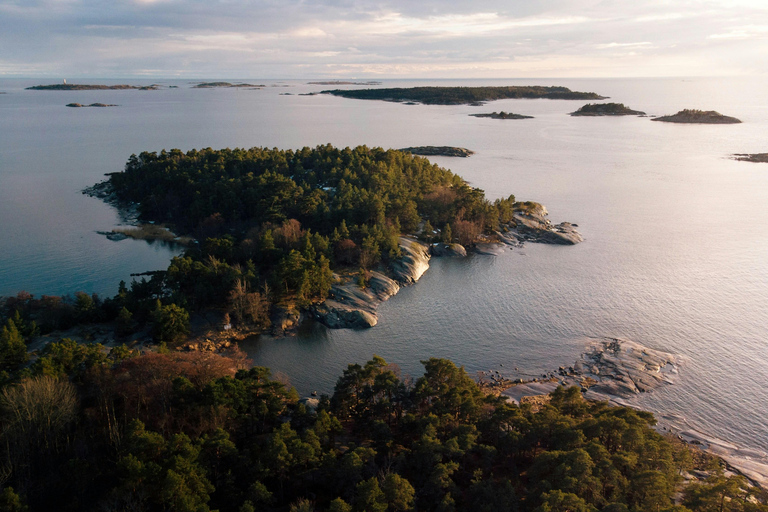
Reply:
x=285 y=38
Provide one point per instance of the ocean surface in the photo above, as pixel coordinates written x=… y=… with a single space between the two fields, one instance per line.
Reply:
x=675 y=257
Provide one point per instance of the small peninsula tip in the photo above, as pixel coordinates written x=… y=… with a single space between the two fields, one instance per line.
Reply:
x=698 y=117
x=502 y=115
x=606 y=109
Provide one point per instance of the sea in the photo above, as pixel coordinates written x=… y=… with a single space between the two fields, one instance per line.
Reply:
x=675 y=257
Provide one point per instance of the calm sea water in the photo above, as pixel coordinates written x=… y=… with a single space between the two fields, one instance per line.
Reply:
x=677 y=233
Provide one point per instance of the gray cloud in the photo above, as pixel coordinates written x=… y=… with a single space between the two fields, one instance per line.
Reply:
x=293 y=38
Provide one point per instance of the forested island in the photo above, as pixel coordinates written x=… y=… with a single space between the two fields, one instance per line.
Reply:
x=86 y=87
x=698 y=117
x=606 y=109
x=463 y=95
x=81 y=105
x=502 y=115
x=753 y=157
x=213 y=85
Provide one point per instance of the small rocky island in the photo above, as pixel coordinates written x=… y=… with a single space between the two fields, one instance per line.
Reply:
x=753 y=157
x=606 y=109
x=502 y=115
x=463 y=95
x=88 y=87
x=80 y=105
x=698 y=117
x=439 y=151
x=213 y=85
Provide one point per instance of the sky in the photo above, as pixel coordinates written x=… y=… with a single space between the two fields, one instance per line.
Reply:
x=382 y=38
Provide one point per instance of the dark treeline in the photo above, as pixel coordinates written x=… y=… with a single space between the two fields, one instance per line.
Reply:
x=464 y=95
x=194 y=431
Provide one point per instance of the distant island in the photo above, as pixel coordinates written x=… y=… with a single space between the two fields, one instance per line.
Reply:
x=79 y=105
x=90 y=87
x=211 y=85
x=698 y=116
x=753 y=157
x=439 y=151
x=339 y=82
x=464 y=95
x=502 y=115
x=606 y=109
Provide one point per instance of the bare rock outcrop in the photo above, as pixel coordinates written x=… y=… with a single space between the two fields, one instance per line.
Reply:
x=530 y=225
x=351 y=307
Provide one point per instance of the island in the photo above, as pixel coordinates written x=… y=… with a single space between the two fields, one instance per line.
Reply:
x=463 y=95
x=606 y=109
x=688 y=116
x=87 y=87
x=502 y=115
x=753 y=157
x=212 y=85
x=340 y=82
x=80 y=105
x=439 y=151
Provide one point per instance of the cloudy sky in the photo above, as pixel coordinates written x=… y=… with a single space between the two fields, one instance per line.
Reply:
x=382 y=38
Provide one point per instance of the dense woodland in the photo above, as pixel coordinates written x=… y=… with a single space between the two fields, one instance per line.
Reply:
x=190 y=431
x=464 y=95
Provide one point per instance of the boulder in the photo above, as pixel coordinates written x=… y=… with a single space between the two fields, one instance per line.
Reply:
x=442 y=250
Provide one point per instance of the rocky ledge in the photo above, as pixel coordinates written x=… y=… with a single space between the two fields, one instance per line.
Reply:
x=753 y=157
x=439 y=151
x=698 y=116
x=502 y=115
x=609 y=369
x=606 y=109
x=530 y=225
x=350 y=306
x=79 y=105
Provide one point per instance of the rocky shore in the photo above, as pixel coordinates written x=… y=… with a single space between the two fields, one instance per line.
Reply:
x=531 y=225
x=350 y=306
x=698 y=117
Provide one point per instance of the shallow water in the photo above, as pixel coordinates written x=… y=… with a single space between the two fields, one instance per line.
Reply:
x=675 y=256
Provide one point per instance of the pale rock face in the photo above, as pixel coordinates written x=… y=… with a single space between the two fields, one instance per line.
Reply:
x=351 y=307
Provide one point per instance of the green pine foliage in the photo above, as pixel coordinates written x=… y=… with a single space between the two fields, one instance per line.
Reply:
x=191 y=432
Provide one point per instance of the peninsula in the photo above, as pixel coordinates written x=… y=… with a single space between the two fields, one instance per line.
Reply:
x=698 y=117
x=87 y=87
x=606 y=109
x=502 y=115
x=322 y=231
x=463 y=95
